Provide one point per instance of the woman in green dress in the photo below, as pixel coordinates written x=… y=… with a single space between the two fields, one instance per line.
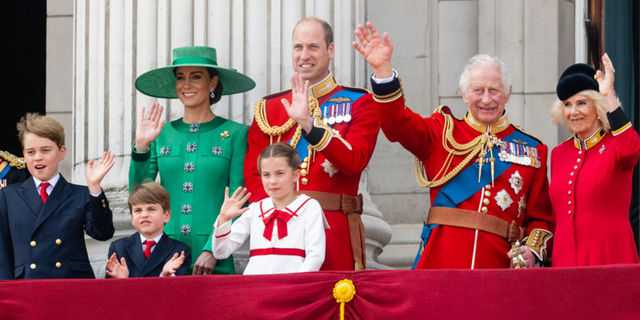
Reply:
x=198 y=155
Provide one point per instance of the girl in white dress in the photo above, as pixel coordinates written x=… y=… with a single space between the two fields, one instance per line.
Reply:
x=287 y=230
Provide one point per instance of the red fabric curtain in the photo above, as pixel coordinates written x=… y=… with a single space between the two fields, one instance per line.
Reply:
x=609 y=292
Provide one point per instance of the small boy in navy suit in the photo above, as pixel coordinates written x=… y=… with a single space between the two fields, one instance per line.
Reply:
x=42 y=220
x=148 y=252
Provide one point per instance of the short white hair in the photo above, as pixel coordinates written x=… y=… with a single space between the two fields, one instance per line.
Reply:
x=485 y=60
x=599 y=101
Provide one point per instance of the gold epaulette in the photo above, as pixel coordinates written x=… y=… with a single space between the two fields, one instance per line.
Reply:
x=537 y=242
x=363 y=90
x=277 y=94
x=14 y=161
x=445 y=110
x=527 y=133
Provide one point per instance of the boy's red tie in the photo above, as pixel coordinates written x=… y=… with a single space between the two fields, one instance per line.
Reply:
x=147 y=250
x=43 y=191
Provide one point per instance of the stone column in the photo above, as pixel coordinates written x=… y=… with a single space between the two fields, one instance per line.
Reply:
x=116 y=41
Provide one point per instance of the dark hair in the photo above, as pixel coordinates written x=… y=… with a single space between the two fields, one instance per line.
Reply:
x=217 y=90
x=149 y=193
x=41 y=126
x=326 y=28
x=283 y=150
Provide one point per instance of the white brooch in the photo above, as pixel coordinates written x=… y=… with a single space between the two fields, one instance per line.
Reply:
x=329 y=168
x=516 y=182
x=602 y=149
x=503 y=199
x=522 y=204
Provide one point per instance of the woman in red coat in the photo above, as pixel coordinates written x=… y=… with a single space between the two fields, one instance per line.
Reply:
x=591 y=173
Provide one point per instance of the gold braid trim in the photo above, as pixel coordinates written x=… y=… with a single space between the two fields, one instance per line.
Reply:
x=263 y=123
x=537 y=242
x=14 y=161
x=471 y=149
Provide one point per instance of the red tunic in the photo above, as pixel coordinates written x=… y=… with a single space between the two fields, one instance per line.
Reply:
x=520 y=192
x=591 y=192
x=349 y=159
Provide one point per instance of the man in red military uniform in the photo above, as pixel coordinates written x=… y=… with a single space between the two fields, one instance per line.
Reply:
x=488 y=178
x=335 y=132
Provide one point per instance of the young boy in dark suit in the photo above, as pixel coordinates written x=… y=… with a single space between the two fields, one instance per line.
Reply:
x=42 y=219
x=148 y=252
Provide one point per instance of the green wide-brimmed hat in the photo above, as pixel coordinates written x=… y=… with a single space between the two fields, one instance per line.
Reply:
x=160 y=83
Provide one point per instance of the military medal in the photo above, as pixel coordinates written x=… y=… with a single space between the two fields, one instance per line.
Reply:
x=325 y=115
x=332 y=118
x=347 y=116
x=340 y=108
x=503 y=199
x=516 y=182
x=522 y=204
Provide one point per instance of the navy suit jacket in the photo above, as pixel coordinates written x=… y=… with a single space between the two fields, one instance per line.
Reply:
x=131 y=249
x=46 y=241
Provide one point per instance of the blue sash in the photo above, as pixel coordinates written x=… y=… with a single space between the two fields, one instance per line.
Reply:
x=465 y=184
x=5 y=171
x=347 y=95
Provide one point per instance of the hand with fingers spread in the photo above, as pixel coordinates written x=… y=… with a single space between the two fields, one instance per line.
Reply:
x=298 y=109
x=117 y=269
x=148 y=127
x=96 y=174
x=375 y=49
x=232 y=206
x=605 y=83
x=173 y=264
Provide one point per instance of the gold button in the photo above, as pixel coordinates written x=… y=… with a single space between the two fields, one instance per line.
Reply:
x=487 y=193
x=580 y=152
x=485 y=201
x=569 y=202
x=484 y=210
x=570 y=182
x=488 y=187
x=33 y=243
x=569 y=191
x=305 y=181
x=104 y=205
x=575 y=167
x=33 y=266
x=578 y=160
x=58 y=264
x=303 y=165
x=58 y=241
x=303 y=172
x=571 y=174
x=569 y=212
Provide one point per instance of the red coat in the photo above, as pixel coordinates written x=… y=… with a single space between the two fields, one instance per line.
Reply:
x=528 y=204
x=591 y=192
x=349 y=159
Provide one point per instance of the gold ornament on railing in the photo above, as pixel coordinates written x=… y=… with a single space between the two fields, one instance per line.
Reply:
x=343 y=291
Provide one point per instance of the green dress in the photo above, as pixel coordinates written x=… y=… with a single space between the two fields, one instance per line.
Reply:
x=196 y=162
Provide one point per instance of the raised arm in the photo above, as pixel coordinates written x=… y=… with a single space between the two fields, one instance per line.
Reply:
x=375 y=49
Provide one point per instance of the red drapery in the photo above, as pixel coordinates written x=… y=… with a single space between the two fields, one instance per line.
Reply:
x=608 y=292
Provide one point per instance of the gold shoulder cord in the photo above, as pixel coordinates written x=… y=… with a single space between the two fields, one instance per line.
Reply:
x=471 y=149
x=261 y=119
x=14 y=161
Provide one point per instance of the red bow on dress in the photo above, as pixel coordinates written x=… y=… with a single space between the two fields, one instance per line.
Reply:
x=281 y=216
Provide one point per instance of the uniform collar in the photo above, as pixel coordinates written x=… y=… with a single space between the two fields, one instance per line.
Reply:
x=323 y=87
x=499 y=126
x=590 y=142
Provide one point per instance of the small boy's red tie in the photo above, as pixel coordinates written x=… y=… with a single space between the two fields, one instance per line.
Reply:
x=147 y=250
x=43 y=191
